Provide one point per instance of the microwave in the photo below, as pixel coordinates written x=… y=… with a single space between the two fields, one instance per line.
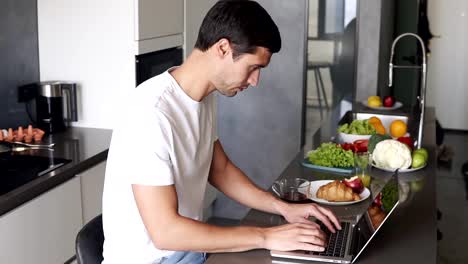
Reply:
x=151 y=64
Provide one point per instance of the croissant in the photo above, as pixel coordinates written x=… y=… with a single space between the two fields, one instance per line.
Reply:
x=336 y=191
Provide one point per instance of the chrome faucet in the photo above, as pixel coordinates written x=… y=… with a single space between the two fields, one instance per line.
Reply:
x=422 y=89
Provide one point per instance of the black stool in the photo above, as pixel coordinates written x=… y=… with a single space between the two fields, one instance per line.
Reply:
x=316 y=66
x=89 y=242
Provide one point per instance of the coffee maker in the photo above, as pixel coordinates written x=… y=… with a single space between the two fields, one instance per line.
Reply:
x=55 y=104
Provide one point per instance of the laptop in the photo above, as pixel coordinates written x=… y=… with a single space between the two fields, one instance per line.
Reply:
x=347 y=244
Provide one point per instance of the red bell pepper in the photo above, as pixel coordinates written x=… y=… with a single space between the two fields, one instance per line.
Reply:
x=407 y=141
x=361 y=145
x=347 y=146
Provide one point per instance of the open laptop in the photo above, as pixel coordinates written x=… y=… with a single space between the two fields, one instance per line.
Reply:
x=346 y=245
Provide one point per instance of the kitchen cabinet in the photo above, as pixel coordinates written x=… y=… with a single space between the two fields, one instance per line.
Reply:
x=158 y=18
x=92 y=184
x=43 y=230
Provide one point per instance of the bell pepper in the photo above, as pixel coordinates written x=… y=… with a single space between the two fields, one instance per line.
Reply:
x=407 y=141
x=361 y=145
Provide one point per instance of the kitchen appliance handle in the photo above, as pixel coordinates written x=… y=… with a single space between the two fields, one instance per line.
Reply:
x=72 y=113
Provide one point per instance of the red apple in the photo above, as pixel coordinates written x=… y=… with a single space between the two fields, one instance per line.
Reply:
x=389 y=101
x=354 y=183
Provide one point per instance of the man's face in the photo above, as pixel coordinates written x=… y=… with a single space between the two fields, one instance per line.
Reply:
x=237 y=74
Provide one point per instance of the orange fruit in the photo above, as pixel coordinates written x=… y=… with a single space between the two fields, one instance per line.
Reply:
x=374 y=120
x=379 y=128
x=398 y=128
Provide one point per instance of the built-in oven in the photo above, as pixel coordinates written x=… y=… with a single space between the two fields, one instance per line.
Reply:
x=154 y=63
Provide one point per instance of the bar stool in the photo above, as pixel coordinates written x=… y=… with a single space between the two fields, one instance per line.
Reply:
x=316 y=66
x=89 y=242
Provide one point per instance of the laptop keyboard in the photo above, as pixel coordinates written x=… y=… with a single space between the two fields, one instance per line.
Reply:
x=336 y=242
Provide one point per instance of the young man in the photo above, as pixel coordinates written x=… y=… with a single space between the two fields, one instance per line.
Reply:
x=166 y=149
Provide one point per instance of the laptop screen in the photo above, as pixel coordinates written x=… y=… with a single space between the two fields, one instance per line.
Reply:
x=383 y=205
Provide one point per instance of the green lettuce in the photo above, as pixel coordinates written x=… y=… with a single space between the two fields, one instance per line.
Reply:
x=357 y=127
x=331 y=155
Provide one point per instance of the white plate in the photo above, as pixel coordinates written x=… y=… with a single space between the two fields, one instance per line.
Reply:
x=400 y=170
x=395 y=106
x=315 y=185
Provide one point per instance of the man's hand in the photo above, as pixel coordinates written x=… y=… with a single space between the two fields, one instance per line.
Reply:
x=299 y=213
x=298 y=236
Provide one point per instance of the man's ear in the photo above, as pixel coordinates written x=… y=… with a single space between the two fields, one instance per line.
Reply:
x=223 y=47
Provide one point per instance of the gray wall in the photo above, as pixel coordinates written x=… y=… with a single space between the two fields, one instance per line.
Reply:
x=19 y=57
x=368 y=48
x=195 y=11
x=260 y=128
x=375 y=35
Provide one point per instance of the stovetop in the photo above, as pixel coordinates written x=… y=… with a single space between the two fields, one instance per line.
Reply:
x=17 y=170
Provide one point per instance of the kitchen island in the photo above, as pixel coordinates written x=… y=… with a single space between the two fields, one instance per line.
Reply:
x=85 y=147
x=408 y=236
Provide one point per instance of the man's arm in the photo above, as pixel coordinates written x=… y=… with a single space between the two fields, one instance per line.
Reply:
x=229 y=179
x=170 y=231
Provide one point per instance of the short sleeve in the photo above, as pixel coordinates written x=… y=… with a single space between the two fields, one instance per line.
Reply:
x=147 y=144
x=214 y=107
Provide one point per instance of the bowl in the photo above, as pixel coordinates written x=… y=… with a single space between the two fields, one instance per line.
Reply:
x=350 y=138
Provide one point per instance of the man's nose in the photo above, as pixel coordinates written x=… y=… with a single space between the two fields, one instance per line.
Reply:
x=254 y=77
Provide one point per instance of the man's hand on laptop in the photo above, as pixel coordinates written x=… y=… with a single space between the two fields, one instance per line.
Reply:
x=300 y=213
x=297 y=236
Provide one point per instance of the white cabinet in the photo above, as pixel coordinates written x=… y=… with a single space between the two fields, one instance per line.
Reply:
x=159 y=24
x=92 y=184
x=158 y=18
x=43 y=230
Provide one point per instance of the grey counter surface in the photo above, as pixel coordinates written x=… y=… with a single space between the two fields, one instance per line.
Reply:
x=408 y=236
x=85 y=147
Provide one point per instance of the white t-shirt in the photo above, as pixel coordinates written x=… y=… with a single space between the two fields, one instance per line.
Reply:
x=164 y=137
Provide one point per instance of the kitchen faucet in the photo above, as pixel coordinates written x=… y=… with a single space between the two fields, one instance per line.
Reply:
x=422 y=90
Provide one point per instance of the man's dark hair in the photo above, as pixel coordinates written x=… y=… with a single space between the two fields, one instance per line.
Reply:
x=246 y=24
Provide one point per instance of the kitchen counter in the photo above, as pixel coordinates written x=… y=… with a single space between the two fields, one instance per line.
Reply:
x=408 y=236
x=85 y=147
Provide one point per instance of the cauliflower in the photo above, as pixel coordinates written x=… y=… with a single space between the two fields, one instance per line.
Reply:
x=391 y=154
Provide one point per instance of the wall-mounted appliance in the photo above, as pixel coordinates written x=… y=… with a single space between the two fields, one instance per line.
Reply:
x=154 y=63
x=55 y=104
